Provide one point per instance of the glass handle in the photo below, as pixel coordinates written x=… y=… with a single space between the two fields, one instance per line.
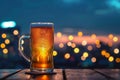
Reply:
x=20 y=46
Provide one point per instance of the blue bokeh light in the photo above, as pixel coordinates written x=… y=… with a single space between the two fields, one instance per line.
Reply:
x=8 y=24
x=114 y=3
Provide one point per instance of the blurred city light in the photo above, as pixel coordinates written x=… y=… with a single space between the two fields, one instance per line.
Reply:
x=110 y=36
x=7 y=41
x=69 y=43
x=73 y=45
x=90 y=48
x=93 y=36
x=115 y=39
x=4 y=35
x=93 y=59
x=67 y=56
x=84 y=43
x=5 y=51
x=15 y=32
x=61 y=45
x=80 y=34
x=76 y=50
x=85 y=54
x=70 y=37
x=55 y=53
x=116 y=51
x=3 y=45
x=111 y=59
x=59 y=34
x=8 y=24
x=83 y=58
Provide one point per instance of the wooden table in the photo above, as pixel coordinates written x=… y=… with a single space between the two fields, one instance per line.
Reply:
x=62 y=74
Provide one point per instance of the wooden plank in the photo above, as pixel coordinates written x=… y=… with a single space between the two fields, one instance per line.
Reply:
x=110 y=73
x=22 y=76
x=7 y=72
x=82 y=74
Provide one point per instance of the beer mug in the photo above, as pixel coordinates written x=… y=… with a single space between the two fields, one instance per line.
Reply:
x=41 y=45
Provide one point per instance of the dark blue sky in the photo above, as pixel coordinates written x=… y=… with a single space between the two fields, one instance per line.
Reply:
x=102 y=16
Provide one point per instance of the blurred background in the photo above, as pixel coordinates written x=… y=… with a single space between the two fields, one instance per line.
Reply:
x=86 y=31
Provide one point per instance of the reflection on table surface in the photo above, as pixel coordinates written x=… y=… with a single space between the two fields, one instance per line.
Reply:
x=62 y=74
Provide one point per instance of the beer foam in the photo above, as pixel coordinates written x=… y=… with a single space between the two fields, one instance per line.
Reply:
x=49 y=24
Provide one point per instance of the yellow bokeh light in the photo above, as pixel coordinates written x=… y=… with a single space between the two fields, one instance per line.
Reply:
x=15 y=32
x=76 y=50
x=84 y=43
x=111 y=59
x=5 y=51
x=7 y=41
x=93 y=36
x=55 y=53
x=2 y=45
x=110 y=36
x=70 y=37
x=69 y=43
x=61 y=45
x=73 y=45
x=115 y=39
x=80 y=34
x=93 y=59
x=116 y=51
x=67 y=56
x=4 y=35
x=59 y=34
x=90 y=48
x=85 y=54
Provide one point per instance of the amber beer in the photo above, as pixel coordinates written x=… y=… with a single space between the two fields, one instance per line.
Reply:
x=42 y=42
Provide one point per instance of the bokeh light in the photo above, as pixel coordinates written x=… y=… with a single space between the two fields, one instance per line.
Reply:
x=67 y=55
x=115 y=39
x=15 y=32
x=90 y=48
x=117 y=60
x=69 y=43
x=61 y=45
x=111 y=59
x=5 y=51
x=59 y=34
x=7 y=41
x=93 y=36
x=80 y=34
x=103 y=52
x=70 y=37
x=55 y=53
x=3 y=45
x=83 y=58
x=73 y=45
x=84 y=43
x=116 y=51
x=93 y=59
x=110 y=36
x=85 y=54
x=4 y=35
x=76 y=50
x=107 y=55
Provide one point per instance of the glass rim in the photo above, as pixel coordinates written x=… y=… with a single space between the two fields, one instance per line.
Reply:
x=33 y=24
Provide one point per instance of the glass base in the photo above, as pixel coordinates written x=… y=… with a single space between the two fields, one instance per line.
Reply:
x=42 y=70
